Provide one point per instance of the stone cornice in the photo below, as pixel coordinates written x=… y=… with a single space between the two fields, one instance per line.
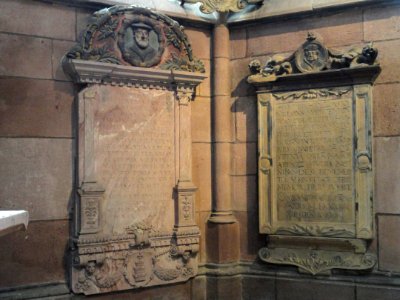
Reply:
x=83 y=71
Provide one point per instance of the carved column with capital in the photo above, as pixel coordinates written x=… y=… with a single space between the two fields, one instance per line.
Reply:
x=185 y=215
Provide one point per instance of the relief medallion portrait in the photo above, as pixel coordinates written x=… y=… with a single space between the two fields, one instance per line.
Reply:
x=312 y=56
x=141 y=43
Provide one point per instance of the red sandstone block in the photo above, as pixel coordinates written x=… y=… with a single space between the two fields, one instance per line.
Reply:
x=387 y=189
x=36 y=175
x=33 y=108
x=25 y=56
x=238 y=39
x=38 y=19
x=382 y=23
x=202 y=175
x=34 y=256
x=389 y=243
x=246 y=119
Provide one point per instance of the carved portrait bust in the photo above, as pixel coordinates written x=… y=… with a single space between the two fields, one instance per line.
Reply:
x=312 y=56
x=141 y=43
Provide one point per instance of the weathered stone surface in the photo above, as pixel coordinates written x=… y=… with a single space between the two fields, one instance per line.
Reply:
x=202 y=175
x=275 y=37
x=83 y=17
x=180 y=291
x=201 y=120
x=244 y=193
x=35 y=108
x=34 y=256
x=386 y=109
x=222 y=242
x=36 y=175
x=199 y=288
x=201 y=42
x=39 y=19
x=389 y=61
x=389 y=243
x=16 y=50
x=245 y=119
x=387 y=154
x=224 y=287
x=142 y=122
x=287 y=289
x=240 y=87
x=250 y=240
x=376 y=292
x=258 y=288
x=238 y=37
x=287 y=36
x=60 y=48
x=245 y=158
x=201 y=221
x=382 y=23
x=204 y=88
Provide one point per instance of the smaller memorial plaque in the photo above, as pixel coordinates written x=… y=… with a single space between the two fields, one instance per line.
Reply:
x=315 y=157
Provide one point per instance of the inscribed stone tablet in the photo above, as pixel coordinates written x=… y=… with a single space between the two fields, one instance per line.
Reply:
x=314 y=178
x=135 y=157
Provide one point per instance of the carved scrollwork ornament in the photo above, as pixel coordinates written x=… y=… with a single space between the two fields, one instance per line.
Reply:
x=312 y=56
x=210 y=6
x=136 y=36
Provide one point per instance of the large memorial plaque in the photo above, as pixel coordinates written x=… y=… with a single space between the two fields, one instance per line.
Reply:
x=134 y=220
x=315 y=157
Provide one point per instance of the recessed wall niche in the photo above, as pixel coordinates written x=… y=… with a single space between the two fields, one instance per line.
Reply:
x=315 y=157
x=134 y=211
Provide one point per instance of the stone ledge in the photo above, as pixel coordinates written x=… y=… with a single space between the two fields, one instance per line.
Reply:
x=84 y=71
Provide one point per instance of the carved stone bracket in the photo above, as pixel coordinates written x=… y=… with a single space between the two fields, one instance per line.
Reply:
x=306 y=253
x=318 y=261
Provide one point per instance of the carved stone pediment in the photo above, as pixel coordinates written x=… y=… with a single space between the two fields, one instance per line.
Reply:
x=136 y=36
x=311 y=57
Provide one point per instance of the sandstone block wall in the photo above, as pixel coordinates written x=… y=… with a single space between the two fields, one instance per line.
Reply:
x=38 y=139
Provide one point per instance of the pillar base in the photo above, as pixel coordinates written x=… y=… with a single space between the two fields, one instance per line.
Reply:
x=222 y=218
x=223 y=241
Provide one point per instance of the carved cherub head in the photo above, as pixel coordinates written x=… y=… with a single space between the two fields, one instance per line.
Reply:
x=90 y=268
x=369 y=54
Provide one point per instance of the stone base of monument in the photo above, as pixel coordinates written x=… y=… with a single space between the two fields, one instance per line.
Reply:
x=317 y=255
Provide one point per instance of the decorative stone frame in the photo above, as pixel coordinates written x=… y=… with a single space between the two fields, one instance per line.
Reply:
x=318 y=246
x=316 y=175
x=94 y=267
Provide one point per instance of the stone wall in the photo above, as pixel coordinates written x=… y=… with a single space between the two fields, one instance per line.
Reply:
x=37 y=149
x=37 y=141
x=341 y=30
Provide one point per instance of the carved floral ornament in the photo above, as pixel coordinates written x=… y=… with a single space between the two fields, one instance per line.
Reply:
x=210 y=6
x=136 y=36
x=312 y=56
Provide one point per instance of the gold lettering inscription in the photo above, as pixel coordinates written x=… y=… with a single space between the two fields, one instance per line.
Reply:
x=314 y=161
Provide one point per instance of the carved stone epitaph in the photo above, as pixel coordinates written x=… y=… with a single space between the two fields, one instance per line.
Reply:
x=315 y=157
x=134 y=210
